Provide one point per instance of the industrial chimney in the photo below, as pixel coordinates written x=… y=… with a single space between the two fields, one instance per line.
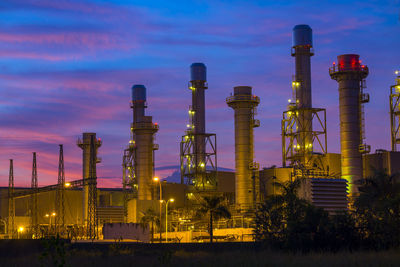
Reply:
x=143 y=130
x=350 y=74
x=84 y=144
x=197 y=164
x=302 y=52
x=246 y=175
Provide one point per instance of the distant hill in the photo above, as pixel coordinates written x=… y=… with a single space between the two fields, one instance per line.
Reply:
x=175 y=177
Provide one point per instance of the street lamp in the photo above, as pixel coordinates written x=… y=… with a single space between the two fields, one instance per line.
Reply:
x=156 y=179
x=20 y=230
x=53 y=214
x=166 y=219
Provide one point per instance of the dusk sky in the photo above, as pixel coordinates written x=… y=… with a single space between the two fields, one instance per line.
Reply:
x=67 y=66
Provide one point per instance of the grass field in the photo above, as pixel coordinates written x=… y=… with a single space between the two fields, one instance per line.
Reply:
x=118 y=255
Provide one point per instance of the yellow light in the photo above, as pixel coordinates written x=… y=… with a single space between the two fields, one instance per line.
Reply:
x=156 y=179
x=161 y=201
x=53 y=214
x=396 y=72
x=171 y=200
x=187 y=125
x=289 y=100
x=202 y=165
x=67 y=184
x=21 y=229
x=47 y=215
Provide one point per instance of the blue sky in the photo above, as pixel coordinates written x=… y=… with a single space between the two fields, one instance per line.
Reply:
x=67 y=66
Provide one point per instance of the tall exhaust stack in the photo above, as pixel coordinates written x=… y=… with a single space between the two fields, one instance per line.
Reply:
x=143 y=130
x=198 y=148
x=198 y=74
x=302 y=52
x=246 y=175
x=301 y=123
x=350 y=74
x=84 y=144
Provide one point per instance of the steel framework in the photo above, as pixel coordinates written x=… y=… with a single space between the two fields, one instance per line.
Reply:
x=34 y=200
x=395 y=113
x=60 y=208
x=92 y=222
x=202 y=175
x=293 y=121
x=129 y=182
x=11 y=203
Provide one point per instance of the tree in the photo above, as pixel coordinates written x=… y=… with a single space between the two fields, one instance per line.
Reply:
x=378 y=210
x=150 y=217
x=215 y=209
x=286 y=221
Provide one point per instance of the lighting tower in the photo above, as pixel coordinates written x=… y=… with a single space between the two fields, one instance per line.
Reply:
x=34 y=201
x=198 y=151
x=247 y=176
x=60 y=208
x=84 y=144
x=351 y=74
x=395 y=112
x=11 y=203
x=138 y=159
x=298 y=135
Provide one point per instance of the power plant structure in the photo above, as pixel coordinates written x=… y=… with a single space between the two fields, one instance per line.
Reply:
x=394 y=99
x=88 y=168
x=244 y=103
x=138 y=159
x=298 y=135
x=198 y=149
x=350 y=75
x=81 y=210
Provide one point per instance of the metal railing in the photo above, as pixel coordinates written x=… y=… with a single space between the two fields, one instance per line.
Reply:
x=144 y=125
x=243 y=98
x=339 y=68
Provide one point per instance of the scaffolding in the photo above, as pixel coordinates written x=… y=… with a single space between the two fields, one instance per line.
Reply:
x=296 y=152
x=364 y=98
x=92 y=222
x=202 y=175
x=395 y=112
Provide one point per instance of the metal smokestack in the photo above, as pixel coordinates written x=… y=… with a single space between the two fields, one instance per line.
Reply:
x=84 y=144
x=349 y=73
x=138 y=101
x=246 y=184
x=302 y=52
x=197 y=114
x=143 y=130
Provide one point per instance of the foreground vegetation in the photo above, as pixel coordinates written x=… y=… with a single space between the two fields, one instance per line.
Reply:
x=287 y=222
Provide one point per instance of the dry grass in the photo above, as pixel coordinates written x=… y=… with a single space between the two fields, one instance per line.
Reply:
x=149 y=257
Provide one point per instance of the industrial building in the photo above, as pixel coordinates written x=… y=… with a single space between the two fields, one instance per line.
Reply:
x=78 y=209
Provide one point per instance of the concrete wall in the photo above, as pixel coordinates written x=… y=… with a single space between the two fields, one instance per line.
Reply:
x=124 y=231
x=388 y=161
